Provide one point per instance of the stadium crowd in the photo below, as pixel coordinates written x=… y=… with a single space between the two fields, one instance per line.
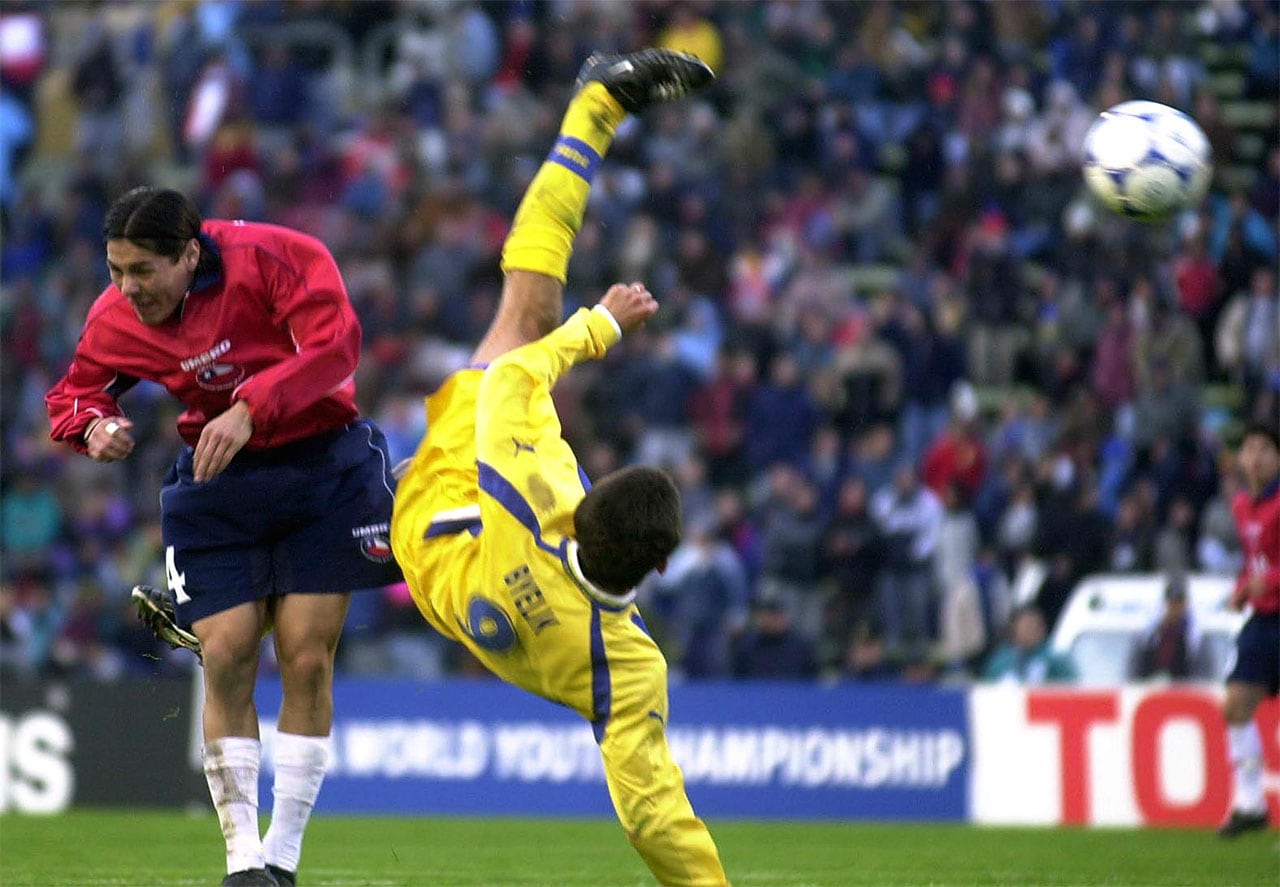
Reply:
x=901 y=355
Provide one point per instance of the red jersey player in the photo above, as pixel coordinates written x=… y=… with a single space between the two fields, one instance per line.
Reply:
x=1256 y=673
x=279 y=504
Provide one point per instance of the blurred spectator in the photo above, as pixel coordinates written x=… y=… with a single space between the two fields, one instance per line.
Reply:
x=1248 y=334
x=701 y=602
x=662 y=405
x=909 y=518
x=1133 y=547
x=865 y=659
x=1218 y=550
x=31 y=521
x=690 y=31
x=852 y=555
x=780 y=418
x=1175 y=544
x=1264 y=55
x=792 y=544
x=962 y=626
x=1113 y=372
x=1025 y=658
x=1199 y=287
x=718 y=413
x=32 y=626
x=16 y=131
x=280 y=94
x=927 y=377
x=97 y=86
x=1166 y=408
x=1172 y=647
x=772 y=648
x=995 y=296
x=957 y=460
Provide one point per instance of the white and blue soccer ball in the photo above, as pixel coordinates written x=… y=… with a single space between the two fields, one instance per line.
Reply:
x=1146 y=161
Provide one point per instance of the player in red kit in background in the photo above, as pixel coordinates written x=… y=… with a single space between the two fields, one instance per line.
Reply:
x=1256 y=673
x=279 y=504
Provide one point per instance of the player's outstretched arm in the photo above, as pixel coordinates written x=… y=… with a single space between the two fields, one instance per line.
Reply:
x=514 y=400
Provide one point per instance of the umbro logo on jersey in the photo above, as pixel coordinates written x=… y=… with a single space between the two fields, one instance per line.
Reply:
x=207 y=357
x=220 y=377
x=212 y=375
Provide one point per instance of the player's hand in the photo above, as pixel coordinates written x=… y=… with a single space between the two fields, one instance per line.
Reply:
x=109 y=439
x=221 y=439
x=630 y=305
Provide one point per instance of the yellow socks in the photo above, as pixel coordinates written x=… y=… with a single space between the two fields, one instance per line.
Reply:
x=550 y=214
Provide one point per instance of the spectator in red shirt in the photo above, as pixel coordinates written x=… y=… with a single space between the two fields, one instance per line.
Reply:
x=958 y=456
x=1199 y=288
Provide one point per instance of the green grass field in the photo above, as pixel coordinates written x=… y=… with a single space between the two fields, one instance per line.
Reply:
x=133 y=849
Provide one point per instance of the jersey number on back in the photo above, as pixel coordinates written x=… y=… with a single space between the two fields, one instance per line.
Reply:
x=177 y=581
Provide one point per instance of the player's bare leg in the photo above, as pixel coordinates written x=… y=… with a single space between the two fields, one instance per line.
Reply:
x=531 y=306
x=1249 y=806
x=307 y=628
x=232 y=751
x=535 y=257
x=229 y=642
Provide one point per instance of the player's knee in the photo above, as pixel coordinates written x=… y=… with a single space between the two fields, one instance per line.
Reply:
x=230 y=666
x=309 y=668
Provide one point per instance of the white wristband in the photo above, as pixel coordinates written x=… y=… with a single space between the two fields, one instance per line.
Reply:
x=613 y=320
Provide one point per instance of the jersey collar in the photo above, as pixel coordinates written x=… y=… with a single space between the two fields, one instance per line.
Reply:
x=213 y=276
x=613 y=601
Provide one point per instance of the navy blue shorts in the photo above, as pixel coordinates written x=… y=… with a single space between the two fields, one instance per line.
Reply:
x=308 y=517
x=1258 y=653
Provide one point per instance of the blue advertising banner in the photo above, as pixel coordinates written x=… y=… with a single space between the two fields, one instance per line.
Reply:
x=753 y=750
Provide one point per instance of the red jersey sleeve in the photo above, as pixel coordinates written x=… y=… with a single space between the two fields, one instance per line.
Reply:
x=306 y=295
x=88 y=391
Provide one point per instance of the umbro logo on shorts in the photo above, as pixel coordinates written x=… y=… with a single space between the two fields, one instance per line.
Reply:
x=373 y=541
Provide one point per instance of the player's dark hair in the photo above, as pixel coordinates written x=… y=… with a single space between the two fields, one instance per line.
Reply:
x=1262 y=429
x=627 y=525
x=159 y=220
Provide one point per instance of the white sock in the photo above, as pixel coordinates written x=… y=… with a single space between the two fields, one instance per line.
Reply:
x=231 y=769
x=300 y=763
x=1246 y=765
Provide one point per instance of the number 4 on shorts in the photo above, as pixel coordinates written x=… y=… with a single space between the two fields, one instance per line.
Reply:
x=177 y=581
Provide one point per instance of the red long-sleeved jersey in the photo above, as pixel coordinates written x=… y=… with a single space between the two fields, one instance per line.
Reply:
x=1258 y=525
x=274 y=329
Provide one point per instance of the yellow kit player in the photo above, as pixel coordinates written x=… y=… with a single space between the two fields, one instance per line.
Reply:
x=506 y=546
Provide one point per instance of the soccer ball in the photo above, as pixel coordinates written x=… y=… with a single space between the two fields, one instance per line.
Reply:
x=1146 y=161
